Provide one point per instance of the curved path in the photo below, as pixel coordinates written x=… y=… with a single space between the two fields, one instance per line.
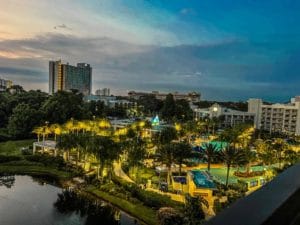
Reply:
x=120 y=173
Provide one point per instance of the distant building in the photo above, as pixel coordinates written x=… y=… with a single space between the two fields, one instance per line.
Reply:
x=96 y=98
x=190 y=97
x=111 y=101
x=229 y=117
x=103 y=92
x=68 y=77
x=125 y=104
x=5 y=84
x=276 y=117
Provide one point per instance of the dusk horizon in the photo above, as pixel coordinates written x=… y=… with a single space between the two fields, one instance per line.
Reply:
x=150 y=112
x=231 y=51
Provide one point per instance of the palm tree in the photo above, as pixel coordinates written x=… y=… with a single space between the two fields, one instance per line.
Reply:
x=136 y=153
x=56 y=130
x=105 y=150
x=238 y=136
x=214 y=122
x=280 y=146
x=248 y=158
x=165 y=155
x=265 y=151
x=181 y=151
x=231 y=156
x=65 y=143
x=38 y=131
x=209 y=153
x=191 y=129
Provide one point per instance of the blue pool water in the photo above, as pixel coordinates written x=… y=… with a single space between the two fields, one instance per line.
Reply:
x=202 y=179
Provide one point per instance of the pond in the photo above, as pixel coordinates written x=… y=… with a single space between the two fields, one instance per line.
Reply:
x=30 y=201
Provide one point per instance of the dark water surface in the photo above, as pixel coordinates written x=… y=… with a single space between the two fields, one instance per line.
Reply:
x=27 y=201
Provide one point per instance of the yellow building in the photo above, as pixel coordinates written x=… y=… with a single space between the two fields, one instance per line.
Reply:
x=196 y=183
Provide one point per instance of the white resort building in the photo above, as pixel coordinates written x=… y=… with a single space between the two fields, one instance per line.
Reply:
x=276 y=117
x=229 y=117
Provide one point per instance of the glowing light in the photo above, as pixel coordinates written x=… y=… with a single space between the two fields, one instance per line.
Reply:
x=177 y=127
x=155 y=121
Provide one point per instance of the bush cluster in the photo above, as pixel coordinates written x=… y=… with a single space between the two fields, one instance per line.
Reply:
x=47 y=160
x=150 y=199
x=6 y=158
x=250 y=174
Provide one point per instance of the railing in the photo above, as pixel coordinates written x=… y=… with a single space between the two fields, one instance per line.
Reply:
x=274 y=203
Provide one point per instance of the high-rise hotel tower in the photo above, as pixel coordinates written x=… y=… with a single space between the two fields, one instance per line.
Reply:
x=67 y=77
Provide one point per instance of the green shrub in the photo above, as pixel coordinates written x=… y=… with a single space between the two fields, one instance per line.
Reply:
x=4 y=136
x=150 y=199
x=47 y=160
x=5 y=158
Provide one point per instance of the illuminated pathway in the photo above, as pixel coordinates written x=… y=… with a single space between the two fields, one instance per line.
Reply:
x=120 y=173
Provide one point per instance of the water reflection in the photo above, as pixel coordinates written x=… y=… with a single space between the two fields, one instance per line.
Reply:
x=7 y=181
x=95 y=211
x=30 y=201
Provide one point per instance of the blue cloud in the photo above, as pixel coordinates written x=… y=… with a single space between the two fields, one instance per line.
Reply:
x=226 y=49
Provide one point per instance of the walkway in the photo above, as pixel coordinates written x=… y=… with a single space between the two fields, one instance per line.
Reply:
x=120 y=173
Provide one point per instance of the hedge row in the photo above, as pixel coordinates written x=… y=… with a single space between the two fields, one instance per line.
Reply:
x=150 y=199
x=6 y=158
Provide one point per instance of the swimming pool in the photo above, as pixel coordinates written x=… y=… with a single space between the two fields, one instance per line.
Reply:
x=202 y=179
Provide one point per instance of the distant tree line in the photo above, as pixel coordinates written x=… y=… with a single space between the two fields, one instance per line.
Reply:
x=169 y=109
x=21 y=111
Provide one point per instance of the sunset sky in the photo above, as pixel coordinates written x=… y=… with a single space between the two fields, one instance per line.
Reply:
x=225 y=49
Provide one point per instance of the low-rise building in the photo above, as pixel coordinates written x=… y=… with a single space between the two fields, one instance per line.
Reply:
x=103 y=92
x=228 y=117
x=5 y=84
x=276 y=117
x=122 y=103
x=96 y=98
x=190 y=97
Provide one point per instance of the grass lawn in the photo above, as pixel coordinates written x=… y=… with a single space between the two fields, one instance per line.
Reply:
x=13 y=147
x=24 y=167
x=145 y=214
x=221 y=173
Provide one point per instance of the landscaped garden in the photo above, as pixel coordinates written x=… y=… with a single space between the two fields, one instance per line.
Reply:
x=142 y=169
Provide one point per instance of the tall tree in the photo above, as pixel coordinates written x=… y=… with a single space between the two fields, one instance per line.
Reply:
x=106 y=151
x=193 y=211
x=166 y=156
x=279 y=145
x=169 y=108
x=183 y=111
x=23 y=120
x=231 y=156
x=181 y=151
x=167 y=135
x=209 y=153
x=62 y=106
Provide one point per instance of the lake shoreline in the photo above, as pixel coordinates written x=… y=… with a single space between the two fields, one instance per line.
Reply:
x=63 y=179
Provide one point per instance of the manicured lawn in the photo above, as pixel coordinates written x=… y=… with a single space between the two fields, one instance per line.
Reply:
x=32 y=169
x=144 y=214
x=13 y=147
x=220 y=174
